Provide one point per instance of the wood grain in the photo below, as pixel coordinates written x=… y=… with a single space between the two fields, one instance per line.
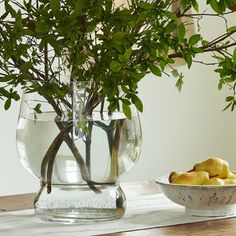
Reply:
x=16 y=202
x=206 y=228
x=133 y=189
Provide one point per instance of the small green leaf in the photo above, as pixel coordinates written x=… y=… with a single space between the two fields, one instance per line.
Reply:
x=115 y=66
x=37 y=108
x=7 y=104
x=55 y=6
x=231 y=29
x=127 y=110
x=195 y=5
x=170 y=28
x=204 y=42
x=217 y=7
x=183 y=5
x=15 y=96
x=138 y=103
x=194 y=39
x=188 y=59
x=26 y=66
x=234 y=56
x=220 y=84
x=175 y=73
x=128 y=53
x=170 y=15
x=146 y=5
x=124 y=58
x=155 y=69
x=229 y=79
x=179 y=84
x=6 y=78
x=181 y=32
x=229 y=98
x=119 y=35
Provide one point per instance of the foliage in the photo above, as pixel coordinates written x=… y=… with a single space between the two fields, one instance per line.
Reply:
x=111 y=46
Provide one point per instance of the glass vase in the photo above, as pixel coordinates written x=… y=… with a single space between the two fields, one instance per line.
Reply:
x=78 y=153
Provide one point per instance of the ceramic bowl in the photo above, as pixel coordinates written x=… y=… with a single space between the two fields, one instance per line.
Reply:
x=201 y=200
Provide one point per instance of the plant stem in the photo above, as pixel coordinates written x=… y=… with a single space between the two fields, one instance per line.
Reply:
x=49 y=158
x=88 y=146
x=114 y=169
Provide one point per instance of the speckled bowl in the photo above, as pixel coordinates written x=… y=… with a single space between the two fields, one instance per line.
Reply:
x=201 y=200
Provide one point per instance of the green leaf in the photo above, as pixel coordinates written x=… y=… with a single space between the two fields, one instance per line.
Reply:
x=115 y=66
x=170 y=15
x=114 y=105
x=138 y=103
x=183 y=5
x=6 y=78
x=204 y=42
x=128 y=53
x=7 y=104
x=55 y=6
x=26 y=66
x=170 y=28
x=179 y=84
x=127 y=110
x=155 y=69
x=125 y=58
x=234 y=56
x=188 y=59
x=119 y=35
x=15 y=96
x=145 y=5
x=229 y=98
x=181 y=32
x=37 y=108
x=216 y=6
x=231 y=29
x=194 y=39
x=229 y=79
x=175 y=73
x=195 y=5
x=220 y=84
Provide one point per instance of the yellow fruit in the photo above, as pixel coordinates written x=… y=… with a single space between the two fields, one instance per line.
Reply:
x=215 y=166
x=229 y=181
x=190 y=178
x=214 y=181
x=231 y=175
x=173 y=175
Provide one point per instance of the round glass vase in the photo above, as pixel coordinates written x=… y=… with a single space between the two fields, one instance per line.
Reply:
x=78 y=154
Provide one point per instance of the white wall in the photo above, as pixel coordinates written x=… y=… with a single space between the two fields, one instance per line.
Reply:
x=179 y=129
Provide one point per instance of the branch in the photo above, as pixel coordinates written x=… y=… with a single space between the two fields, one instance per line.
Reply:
x=46 y=62
x=220 y=48
x=206 y=14
x=218 y=39
x=206 y=63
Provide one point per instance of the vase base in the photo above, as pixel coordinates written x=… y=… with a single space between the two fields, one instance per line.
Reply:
x=79 y=204
x=79 y=215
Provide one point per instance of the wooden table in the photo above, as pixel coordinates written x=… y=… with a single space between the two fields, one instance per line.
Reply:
x=212 y=227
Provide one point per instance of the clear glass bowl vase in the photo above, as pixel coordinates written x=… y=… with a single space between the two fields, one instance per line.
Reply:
x=78 y=154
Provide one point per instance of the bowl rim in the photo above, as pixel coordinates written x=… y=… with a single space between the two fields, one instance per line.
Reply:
x=159 y=180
